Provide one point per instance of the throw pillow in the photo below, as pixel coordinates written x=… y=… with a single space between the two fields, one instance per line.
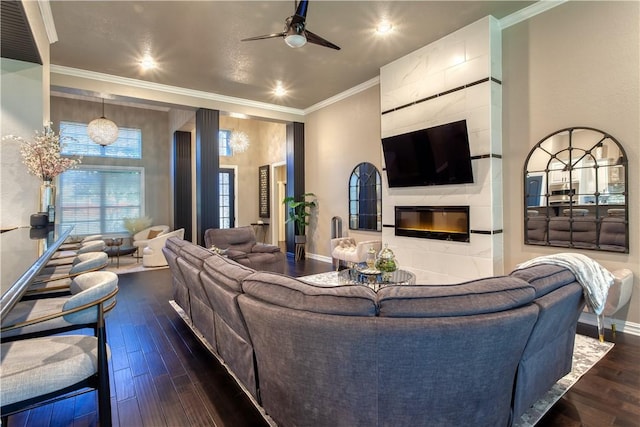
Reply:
x=153 y=234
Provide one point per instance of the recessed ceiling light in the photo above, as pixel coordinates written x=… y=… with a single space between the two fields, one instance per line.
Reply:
x=279 y=90
x=384 y=27
x=147 y=63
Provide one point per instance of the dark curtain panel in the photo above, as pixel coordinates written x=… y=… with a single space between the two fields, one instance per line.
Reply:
x=295 y=171
x=182 y=201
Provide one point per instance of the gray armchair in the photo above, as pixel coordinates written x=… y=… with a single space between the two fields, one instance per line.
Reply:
x=241 y=246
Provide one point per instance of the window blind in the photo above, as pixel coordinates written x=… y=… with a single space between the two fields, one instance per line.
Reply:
x=75 y=141
x=96 y=199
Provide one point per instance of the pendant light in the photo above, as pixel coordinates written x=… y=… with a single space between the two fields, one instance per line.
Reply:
x=239 y=141
x=102 y=131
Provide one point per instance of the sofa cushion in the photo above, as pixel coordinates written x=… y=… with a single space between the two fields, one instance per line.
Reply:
x=195 y=255
x=286 y=291
x=613 y=233
x=580 y=231
x=227 y=272
x=264 y=248
x=545 y=278
x=175 y=244
x=481 y=296
x=239 y=238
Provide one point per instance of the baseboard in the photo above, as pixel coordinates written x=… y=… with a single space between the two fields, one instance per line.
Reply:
x=322 y=258
x=621 y=325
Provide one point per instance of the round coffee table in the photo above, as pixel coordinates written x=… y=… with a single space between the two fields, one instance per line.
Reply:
x=115 y=249
x=361 y=275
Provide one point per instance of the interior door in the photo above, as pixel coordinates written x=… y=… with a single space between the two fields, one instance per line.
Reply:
x=227 y=198
x=534 y=190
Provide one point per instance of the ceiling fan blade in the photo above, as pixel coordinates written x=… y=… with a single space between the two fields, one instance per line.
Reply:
x=266 y=36
x=316 y=39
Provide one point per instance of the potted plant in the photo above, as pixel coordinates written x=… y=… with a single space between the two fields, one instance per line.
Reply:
x=299 y=213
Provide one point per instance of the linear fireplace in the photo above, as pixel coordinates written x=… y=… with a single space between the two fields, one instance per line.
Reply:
x=433 y=222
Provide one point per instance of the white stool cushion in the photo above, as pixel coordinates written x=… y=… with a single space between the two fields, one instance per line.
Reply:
x=38 y=366
x=92 y=246
x=87 y=288
x=32 y=309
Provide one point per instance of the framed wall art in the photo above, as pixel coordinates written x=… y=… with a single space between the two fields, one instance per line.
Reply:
x=263 y=192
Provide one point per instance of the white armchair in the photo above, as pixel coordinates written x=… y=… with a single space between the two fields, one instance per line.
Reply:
x=152 y=255
x=141 y=238
x=348 y=250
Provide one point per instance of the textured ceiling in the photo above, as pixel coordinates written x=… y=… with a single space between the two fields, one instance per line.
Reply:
x=197 y=43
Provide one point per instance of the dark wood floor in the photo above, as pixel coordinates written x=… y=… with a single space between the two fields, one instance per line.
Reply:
x=162 y=376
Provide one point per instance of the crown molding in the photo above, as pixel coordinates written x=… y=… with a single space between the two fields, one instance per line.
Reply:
x=343 y=95
x=47 y=19
x=529 y=12
x=141 y=84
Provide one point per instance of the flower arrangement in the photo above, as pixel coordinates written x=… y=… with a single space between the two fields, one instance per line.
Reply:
x=42 y=155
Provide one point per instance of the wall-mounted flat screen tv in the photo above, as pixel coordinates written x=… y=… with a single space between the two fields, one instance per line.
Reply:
x=434 y=156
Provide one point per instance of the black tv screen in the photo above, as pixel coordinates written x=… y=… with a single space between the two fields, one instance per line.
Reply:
x=434 y=156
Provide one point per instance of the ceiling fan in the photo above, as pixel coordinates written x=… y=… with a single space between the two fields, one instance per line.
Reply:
x=295 y=33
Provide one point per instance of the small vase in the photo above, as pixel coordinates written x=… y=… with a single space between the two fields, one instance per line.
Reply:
x=386 y=263
x=48 y=199
x=371 y=258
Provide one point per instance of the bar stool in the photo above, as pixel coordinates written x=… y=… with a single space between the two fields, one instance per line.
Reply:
x=59 y=278
x=38 y=371
x=62 y=257
x=53 y=315
x=69 y=244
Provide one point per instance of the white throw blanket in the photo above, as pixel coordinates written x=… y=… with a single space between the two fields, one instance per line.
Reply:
x=594 y=278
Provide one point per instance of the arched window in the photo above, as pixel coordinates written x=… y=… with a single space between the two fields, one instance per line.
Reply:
x=365 y=198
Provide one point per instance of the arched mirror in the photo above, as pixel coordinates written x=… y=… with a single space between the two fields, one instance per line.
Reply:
x=365 y=198
x=575 y=192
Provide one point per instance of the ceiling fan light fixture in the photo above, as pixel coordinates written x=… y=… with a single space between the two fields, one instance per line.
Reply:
x=384 y=27
x=102 y=130
x=295 y=40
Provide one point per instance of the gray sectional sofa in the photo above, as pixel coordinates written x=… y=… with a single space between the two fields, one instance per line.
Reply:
x=476 y=353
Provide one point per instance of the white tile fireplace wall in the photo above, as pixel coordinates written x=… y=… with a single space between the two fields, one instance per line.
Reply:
x=455 y=78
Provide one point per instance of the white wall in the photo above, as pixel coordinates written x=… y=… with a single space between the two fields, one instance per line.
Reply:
x=462 y=58
x=337 y=138
x=24 y=106
x=21 y=98
x=577 y=64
